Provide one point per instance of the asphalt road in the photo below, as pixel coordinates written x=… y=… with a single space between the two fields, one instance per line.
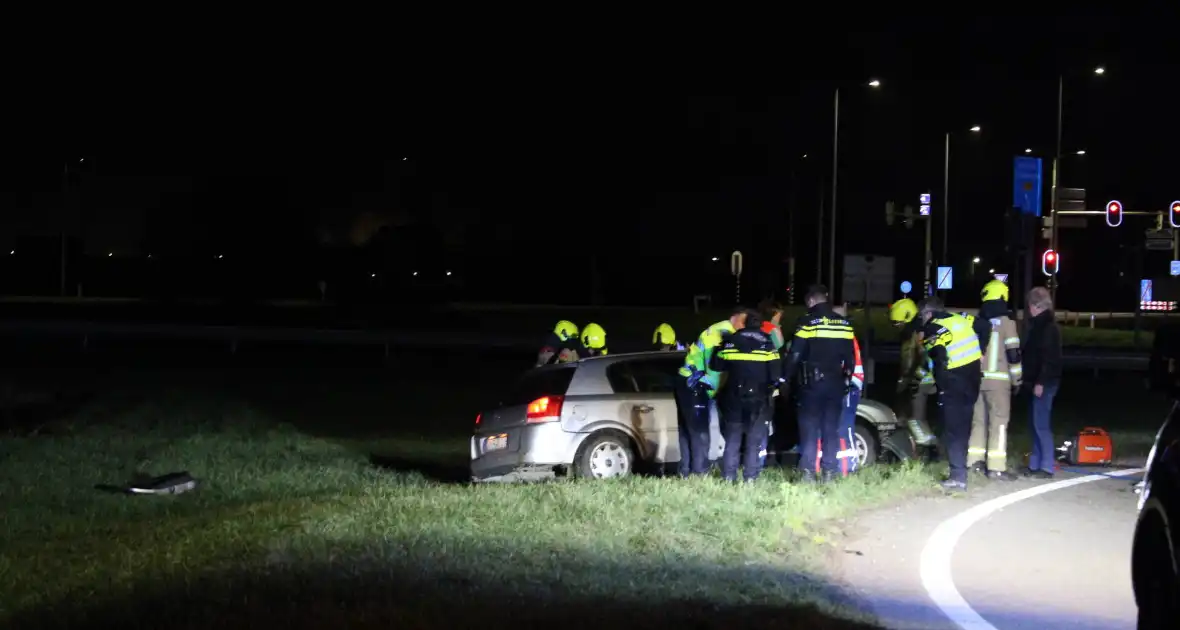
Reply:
x=1059 y=559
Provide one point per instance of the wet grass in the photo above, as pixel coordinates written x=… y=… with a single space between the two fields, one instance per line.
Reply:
x=292 y=524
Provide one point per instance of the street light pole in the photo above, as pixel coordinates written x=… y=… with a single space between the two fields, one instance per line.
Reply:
x=946 y=183
x=1056 y=167
x=835 y=171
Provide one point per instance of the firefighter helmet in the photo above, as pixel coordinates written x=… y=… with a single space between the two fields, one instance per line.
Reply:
x=994 y=290
x=594 y=337
x=903 y=311
x=565 y=330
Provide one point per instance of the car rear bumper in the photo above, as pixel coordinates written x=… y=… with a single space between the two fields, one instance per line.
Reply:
x=535 y=447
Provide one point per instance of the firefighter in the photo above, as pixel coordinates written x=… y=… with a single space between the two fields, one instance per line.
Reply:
x=664 y=339
x=594 y=340
x=753 y=370
x=695 y=390
x=822 y=353
x=561 y=346
x=953 y=346
x=987 y=447
x=915 y=381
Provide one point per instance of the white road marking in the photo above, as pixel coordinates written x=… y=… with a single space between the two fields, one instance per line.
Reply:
x=936 y=556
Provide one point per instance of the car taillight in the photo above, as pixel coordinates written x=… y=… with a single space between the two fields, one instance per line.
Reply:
x=477 y=418
x=544 y=409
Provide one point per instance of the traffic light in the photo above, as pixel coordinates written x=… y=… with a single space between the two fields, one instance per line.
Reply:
x=1050 y=262
x=1114 y=213
x=1174 y=214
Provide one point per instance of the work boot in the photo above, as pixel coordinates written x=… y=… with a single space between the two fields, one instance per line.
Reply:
x=979 y=467
x=1040 y=474
x=829 y=476
x=807 y=477
x=950 y=485
x=1000 y=475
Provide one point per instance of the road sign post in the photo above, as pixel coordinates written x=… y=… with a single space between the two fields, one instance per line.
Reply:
x=735 y=267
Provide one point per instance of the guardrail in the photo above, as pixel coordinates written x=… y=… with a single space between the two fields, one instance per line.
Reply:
x=389 y=340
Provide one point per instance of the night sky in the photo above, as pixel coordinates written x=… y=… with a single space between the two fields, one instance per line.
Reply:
x=660 y=154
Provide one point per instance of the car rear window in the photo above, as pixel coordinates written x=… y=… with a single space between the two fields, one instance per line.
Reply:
x=647 y=376
x=537 y=383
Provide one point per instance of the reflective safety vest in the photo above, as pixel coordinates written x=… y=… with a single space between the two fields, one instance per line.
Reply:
x=958 y=337
x=998 y=373
x=701 y=351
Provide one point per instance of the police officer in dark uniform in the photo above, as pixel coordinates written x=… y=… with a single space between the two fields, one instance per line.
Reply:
x=753 y=370
x=823 y=355
x=952 y=343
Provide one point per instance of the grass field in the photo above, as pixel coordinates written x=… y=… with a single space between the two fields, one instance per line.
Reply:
x=293 y=524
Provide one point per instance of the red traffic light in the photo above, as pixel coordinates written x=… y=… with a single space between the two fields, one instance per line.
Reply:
x=1114 y=213
x=1049 y=262
x=1174 y=215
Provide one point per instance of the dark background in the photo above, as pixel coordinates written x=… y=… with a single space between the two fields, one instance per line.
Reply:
x=528 y=171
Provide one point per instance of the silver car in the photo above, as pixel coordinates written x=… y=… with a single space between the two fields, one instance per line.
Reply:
x=606 y=416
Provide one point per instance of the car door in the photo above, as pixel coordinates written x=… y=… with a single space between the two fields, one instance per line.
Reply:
x=646 y=391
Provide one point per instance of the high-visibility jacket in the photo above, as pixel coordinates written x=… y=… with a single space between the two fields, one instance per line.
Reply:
x=953 y=345
x=696 y=362
x=1001 y=355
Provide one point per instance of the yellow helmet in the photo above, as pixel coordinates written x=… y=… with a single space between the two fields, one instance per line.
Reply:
x=565 y=330
x=594 y=337
x=664 y=335
x=903 y=311
x=994 y=290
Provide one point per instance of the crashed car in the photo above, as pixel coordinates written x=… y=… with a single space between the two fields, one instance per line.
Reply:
x=607 y=416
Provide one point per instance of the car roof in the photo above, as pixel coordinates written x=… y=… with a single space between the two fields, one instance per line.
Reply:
x=652 y=354
x=591 y=375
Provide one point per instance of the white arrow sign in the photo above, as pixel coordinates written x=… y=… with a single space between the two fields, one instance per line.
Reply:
x=735 y=263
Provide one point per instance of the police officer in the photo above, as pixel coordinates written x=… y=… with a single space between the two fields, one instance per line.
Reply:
x=987 y=449
x=695 y=390
x=593 y=340
x=953 y=345
x=561 y=345
x=753 y=370
x=821 y=351
x=664 y=339
x=915 y=381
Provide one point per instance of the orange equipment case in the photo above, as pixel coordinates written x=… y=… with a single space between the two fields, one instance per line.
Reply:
x=1092 y=446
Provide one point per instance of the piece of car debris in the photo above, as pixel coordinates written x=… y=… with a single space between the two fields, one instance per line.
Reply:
x=171 y=483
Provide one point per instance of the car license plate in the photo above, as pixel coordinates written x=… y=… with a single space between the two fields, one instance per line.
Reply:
x=496 y=443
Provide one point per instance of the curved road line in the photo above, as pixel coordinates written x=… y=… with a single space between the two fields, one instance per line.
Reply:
x=936 y=556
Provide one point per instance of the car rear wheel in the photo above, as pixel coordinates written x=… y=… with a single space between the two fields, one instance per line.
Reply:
x=605 y=455
x=865 y=444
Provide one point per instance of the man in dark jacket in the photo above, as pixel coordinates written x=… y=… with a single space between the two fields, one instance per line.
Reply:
x=1041 y=352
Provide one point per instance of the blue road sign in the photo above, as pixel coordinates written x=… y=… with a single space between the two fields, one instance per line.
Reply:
x=1026 y=185
x=1176 y=267
x=1002 y=277
x=906 y=287
x=924 y=199
x=944 y=278
x=1145 y=291
x=924 y=210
